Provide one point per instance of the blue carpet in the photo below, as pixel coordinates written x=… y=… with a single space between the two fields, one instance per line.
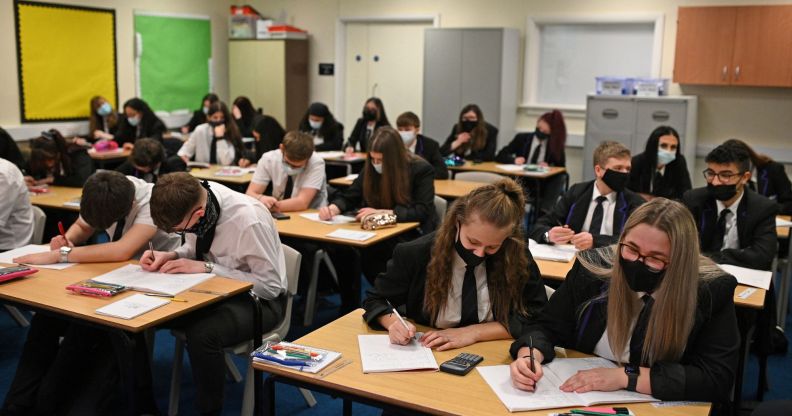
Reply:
x=288 y=399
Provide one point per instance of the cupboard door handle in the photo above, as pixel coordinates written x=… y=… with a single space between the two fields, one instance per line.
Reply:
x=724 y=73
x=661 y=116
x=737 y=72
x=610 y=113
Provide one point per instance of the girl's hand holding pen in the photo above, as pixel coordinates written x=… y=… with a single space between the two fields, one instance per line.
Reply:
x=522 y=376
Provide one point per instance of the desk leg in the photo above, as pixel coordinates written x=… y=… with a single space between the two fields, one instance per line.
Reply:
x=257 y=332
x=124 y=347
x=783 y=287
x=746 y=321
x=347 y=407
x=267 y=395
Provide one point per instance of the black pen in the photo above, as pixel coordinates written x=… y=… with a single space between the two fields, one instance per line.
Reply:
x=531 y=354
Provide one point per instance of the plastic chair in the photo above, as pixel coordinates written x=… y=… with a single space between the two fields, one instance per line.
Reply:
x=278 y=333
x=441 y=205
x=39 y=218
x=485 y=177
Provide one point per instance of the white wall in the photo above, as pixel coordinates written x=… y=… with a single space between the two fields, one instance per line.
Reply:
x=758 y=115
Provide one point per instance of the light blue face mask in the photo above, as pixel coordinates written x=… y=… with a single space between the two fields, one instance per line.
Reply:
x=104 y=110
x=664 y=157
x=134 y=121
x=316 y=125
x=292 y=171
x=206 y=110
x=377 y=167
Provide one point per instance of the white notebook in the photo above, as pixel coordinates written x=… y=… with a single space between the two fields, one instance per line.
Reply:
x=135 y=277
x=558 y=252
x=132 y=306
x=749 y=277
x=351 y=234
x=8 y=256
x=548 y=395
x=337 y=219
x=378 y=355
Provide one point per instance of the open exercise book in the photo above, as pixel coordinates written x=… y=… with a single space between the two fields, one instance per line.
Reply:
x=548 y=395
x=378 y=355
x=557 y=252
x=135 y=277
x=10 y=255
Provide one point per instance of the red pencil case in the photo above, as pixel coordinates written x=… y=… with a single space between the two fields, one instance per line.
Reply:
x=13 y=272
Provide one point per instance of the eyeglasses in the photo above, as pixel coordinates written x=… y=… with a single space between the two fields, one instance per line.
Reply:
x=631 y=253
x=181 y=232
x=724 y=176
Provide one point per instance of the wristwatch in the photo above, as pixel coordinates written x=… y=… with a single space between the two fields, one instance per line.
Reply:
x=64 y=254
x=632 y=371
x=208 y=266
x=547 y=237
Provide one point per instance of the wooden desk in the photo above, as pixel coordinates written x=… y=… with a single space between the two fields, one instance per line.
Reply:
x=299 y=227
x=338 y=158
x=783 y=232
x=428 y=392
x=444 y=188
x=46 y=290
x=209 y=174
x=56 y=197
x=492 y=167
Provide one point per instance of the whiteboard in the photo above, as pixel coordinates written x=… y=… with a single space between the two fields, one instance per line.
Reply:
x=572 y=55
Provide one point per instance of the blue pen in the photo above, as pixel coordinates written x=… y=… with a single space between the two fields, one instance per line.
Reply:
x=289 y=363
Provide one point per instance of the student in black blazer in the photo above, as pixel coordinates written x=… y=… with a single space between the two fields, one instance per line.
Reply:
x=245 y=115
x=546 y=150
x=574 y=218
x=373 y=118
x=409 y=126
x=147 y=161
x=746 y=237
x=102 y=121
x=10 y=151
x=651 y=303
x=199 y=116
x=661 y=170
x=319 y=122
x=471 y=137
x=392 y=179
x=768 y=178
x=502 y=289
x=138 y=122
x=56 y=161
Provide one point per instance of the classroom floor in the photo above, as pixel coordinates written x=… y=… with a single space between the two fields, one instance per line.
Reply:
x=289 y=400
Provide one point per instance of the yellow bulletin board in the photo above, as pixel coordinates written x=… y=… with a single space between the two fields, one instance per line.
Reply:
x=65 y=55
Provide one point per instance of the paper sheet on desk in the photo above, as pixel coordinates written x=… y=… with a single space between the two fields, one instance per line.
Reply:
x=510 y=168
x=351 y=177
x=136 y=278
x=330 y=154
x=749 y=277
x=783 y=223
x=351 y=235
x=132 y=306
x=8 y=256
x=378 y=355
x=336 y=220
x=558 y=252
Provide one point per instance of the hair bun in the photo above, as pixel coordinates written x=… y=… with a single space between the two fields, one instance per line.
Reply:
x=510 y=188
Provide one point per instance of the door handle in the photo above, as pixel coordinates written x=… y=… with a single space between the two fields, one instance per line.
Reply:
x=737 y=73
x=724 y=73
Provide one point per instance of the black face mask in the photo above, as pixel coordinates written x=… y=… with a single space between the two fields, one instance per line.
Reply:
x=615 y=180
x=541 y=135
x=468 y=126
x=216 y=123
x=209 y=218
x=639 y=277
x=369 y=115
x=722 y=192
x=467 y=256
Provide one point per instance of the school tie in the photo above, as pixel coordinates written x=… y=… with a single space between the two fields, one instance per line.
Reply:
x=658 y=177
x=213 y=151
x=469 y=298
x=535 y=155
x=119 y=230
x=720 y=228
x=287 y=193
x=639 y=333
x=596 y=218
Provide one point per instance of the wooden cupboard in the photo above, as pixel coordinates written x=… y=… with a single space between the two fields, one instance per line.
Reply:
x=739 y=45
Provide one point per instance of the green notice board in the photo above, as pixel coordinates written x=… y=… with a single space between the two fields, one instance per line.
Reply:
x=173 y=58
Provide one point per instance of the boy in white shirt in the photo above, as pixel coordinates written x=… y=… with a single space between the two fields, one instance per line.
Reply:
x=16 y=213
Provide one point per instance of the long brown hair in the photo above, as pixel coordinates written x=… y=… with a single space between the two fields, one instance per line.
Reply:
x=674 y=309
x=392 y=187
x=478 y=135
x=232 y=133
x=51 y=145
x=758 y=159
x=95 y=120
x=501 y=204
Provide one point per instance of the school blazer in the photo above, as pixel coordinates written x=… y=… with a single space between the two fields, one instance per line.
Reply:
x=487 y=154
x=128 y=133
x=421 y=207
x=332 y=140
x=520 y=146
x=773 y=182
x=271 y=134
x=572 y=207
x=675 y=182
x=82 y=167
x=198 y=118
x=404 y=283
x=359 y=134
x=755 y=228
x=430 y=151
x=576 y=317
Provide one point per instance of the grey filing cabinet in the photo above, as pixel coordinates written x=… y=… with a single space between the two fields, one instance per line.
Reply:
x=630 y=120
x=470 y=66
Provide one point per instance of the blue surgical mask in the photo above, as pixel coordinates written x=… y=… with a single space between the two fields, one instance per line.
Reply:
x=104 y=110
x=292 y=171
x=664 y=157
x=206 y=110
x=316 y=125
x=134 y=121
x=377 y=167
x=407 y=136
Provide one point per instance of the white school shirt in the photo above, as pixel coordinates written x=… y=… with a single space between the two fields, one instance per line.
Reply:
x=141 y=214
x=270 y=169
x=450 y=316
x=246 y=245
x=608 y=206
x=731 y=238
x=534 y=143
x=16 y=213
x=603 y=349
x=200 y=145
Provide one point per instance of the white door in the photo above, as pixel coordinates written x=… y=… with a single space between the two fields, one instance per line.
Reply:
x=384 y=60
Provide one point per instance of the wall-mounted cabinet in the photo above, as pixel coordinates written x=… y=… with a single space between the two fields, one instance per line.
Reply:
x=741 y=45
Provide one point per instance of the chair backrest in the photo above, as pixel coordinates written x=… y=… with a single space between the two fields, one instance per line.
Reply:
x=485 y=177
x=293 y=259
x=440 y=208
x=549 y=291
x=39 y=218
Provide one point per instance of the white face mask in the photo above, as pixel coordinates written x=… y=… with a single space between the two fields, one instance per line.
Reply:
x=407 y=136
x=292 y=171
x=664 y=157
x=377 y=167
x=316 y=125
